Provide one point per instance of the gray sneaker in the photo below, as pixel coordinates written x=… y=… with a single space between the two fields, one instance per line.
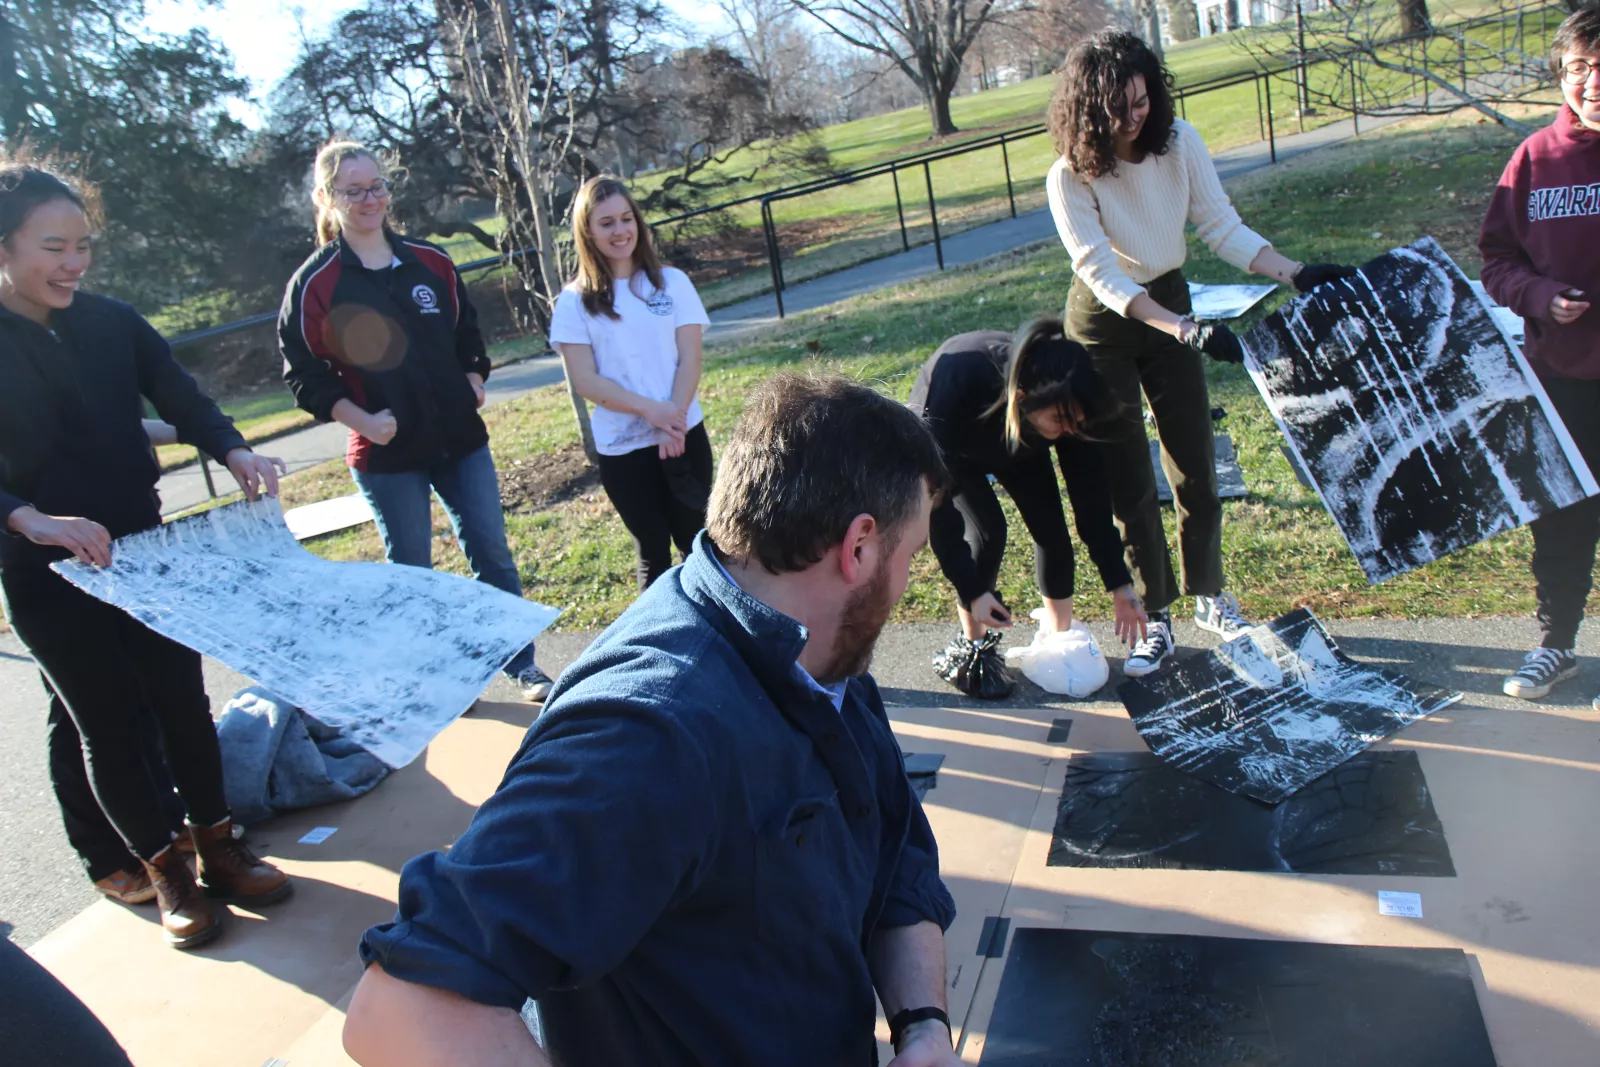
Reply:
x=535 y=685
x=1541 y=669
x=1220 y=614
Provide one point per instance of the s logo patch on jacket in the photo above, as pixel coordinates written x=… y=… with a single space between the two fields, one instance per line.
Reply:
x=425 y=300
x=660 y=303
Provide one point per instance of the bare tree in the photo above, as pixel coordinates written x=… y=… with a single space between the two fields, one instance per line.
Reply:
x=1035 y=37
x=765 y=35
x=516 y=125
x=1380 y=68
x=926 y=39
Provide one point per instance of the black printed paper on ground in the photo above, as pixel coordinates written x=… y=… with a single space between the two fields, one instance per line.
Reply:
x=1370 y=815
x=1086 y=998
x=1421 y=426
x=1230 y=479
x=1269 y=712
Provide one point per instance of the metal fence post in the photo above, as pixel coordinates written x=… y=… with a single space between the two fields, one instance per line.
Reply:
x=899 y=210
x=770 y=230
x=1183 y=106
x=205 y=472
x=933 y=213
x=1010 y=193
x=1272 y=137
x=1261 y=123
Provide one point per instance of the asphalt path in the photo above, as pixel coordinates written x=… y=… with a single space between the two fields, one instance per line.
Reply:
x=42 y=885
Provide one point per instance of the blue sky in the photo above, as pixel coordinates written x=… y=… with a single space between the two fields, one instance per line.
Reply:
x=262 y=34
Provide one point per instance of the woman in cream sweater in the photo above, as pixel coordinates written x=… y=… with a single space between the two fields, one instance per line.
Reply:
x=1130 y=176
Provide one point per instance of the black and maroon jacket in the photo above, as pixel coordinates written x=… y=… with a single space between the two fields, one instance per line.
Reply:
x=1542 y=235
x=402 y=339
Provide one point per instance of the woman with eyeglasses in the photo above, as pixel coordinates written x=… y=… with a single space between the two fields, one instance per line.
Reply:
x=378 y=333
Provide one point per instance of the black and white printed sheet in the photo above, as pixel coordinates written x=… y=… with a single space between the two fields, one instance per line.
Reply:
x=1419 y=422
x=390 y=655
x=1272 y=710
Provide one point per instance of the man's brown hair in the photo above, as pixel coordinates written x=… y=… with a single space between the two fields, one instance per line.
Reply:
x=809 y=454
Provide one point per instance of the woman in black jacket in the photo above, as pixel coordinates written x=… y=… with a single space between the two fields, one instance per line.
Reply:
x=76 y=471
x=997 y=406
x=378 y=334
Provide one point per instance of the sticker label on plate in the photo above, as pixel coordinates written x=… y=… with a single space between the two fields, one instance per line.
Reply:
x=1405 y=905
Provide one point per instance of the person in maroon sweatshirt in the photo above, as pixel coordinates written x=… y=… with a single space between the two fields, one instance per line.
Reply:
x=1541 y=258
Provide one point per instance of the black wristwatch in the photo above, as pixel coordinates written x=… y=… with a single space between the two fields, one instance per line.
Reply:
x=904 y=1019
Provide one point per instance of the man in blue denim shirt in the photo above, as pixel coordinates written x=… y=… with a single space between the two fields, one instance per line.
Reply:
x=706 y=851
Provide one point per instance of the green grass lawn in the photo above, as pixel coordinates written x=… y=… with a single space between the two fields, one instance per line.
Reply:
x=1346 y=203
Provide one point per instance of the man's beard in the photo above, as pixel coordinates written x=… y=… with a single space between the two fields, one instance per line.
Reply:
x=863 y=620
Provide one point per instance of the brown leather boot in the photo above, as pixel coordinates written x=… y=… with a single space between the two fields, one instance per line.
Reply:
x=230 y=871
x=186 y=917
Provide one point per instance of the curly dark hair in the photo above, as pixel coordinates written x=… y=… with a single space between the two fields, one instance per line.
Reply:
x=1090 y=99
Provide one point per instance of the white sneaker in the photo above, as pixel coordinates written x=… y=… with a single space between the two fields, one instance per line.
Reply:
x=1148 y=654
x=1220 y=614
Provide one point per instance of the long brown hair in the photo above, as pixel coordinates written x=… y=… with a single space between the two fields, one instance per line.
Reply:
x=595 y=279
x=1091 y=99
x=329 y=159
x=1047 y=370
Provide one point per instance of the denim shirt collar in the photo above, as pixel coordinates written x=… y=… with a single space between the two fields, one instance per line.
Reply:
x=767 y=639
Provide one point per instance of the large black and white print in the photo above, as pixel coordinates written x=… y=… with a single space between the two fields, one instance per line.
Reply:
x=1419 y=422
x=1274 y=709
x=389 y=655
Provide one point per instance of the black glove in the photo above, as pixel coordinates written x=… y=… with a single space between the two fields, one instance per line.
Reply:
x=1218 y=342
x=1311 y=275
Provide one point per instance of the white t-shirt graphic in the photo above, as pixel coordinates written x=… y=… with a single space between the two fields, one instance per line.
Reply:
x=638 y=350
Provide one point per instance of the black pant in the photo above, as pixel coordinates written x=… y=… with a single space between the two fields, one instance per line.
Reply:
x=1132 y=357
x=1564 y=542
x=104 y=664
x=662 y=502
x=90 y=833
x=1032 y=486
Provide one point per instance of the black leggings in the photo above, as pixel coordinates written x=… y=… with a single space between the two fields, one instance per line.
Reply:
x=972 y=512
x=104 y=664
x=662 y=502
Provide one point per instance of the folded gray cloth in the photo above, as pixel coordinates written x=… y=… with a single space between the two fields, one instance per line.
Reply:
x=276 y=758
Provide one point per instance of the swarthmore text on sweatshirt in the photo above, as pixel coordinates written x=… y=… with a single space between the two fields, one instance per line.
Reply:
x=1542 y=236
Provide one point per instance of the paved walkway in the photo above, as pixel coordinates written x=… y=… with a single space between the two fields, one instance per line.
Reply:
x=185 y=488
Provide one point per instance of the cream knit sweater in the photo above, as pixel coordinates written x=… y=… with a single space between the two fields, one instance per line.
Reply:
x=1126 y=228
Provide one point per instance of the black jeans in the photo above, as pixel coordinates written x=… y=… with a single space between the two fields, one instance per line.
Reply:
x=1564 y=542
x=105 y=666
x=1031 y=484
x=90 y=833
x=1133 y=357
x=661 y=502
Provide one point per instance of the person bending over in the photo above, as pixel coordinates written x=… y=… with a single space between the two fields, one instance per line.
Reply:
x=378 y=333
x=1129 y=176
x=628 y=330
x=1541 y=258
x=706 y=852
x=77 y=471
x=998 y=406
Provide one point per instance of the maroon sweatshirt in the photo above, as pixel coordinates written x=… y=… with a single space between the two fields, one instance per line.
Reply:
x=1542 y=235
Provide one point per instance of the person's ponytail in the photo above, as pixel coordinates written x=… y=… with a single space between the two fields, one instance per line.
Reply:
x=1045 y=370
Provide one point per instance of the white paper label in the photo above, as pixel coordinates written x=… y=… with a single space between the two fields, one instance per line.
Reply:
x=1405 y=905
x=322 y=833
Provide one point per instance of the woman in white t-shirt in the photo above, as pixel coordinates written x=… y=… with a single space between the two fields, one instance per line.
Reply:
x=629 y=331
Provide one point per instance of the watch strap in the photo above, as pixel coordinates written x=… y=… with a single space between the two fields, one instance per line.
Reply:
x=906 y=1018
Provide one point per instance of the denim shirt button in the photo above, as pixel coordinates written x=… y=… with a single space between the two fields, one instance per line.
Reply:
x=830 y=739
x=864 y=810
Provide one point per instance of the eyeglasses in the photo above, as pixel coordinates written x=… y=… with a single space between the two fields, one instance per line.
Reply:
x=1577 y=71
x=357 y=194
